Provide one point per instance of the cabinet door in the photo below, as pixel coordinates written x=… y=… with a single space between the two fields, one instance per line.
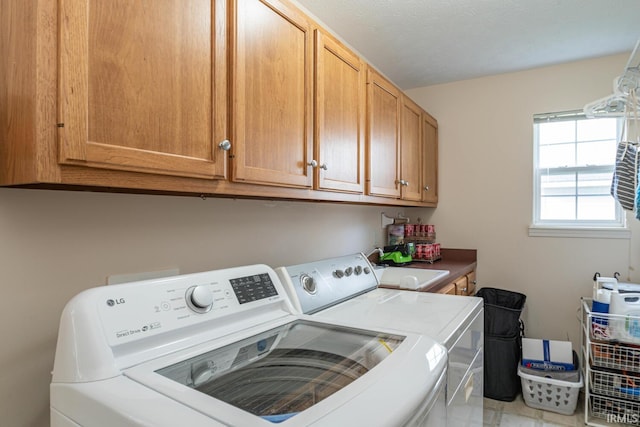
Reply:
x=462 y=287
x=339 y=108
x=471 y=283
x=450 y=289
x=430 y=159
x=272 y=98
x=142 y=86
x=383 y=136
x=411 y=150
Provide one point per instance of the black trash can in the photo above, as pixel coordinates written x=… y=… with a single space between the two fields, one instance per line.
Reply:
x=503 y=333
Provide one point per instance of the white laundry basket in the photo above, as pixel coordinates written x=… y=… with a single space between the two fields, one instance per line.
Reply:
x=549 y=394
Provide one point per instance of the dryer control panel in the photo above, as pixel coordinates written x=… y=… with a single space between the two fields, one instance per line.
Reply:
x=320 y=284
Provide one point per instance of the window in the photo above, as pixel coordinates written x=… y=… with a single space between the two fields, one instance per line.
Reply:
x=574 y=157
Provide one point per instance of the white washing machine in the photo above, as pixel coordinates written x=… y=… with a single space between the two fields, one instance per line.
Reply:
x=224 y=348
x=342 y=288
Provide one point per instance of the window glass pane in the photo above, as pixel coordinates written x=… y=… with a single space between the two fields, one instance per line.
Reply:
x=597 y=153
x=574 y=161
x=557 y=208
x=553 y=156
x=558 y=184
x=596 y=129
x=594 y=184
x=556 y=132
x=596 y=208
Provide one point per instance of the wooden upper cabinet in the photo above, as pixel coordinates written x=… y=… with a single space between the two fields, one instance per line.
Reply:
x=142 y=86
x=272 y=98
x=340 y=99
x=430 y=158
x=383 y=136
x=148 y=96
x=411 y=158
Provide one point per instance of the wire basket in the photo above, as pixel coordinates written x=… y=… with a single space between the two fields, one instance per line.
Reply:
x=614 y=384
x=614 y=410
x=611 y=327
x=615 y=356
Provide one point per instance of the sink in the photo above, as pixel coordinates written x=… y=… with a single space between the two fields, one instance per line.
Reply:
x=408 y=278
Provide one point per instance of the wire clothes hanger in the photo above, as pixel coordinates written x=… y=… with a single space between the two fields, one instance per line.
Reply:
x=620 y=103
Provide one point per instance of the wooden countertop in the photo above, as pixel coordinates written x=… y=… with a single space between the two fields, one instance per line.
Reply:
x=458 y=261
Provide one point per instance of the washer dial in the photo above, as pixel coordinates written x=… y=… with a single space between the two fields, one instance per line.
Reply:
x=199 y=298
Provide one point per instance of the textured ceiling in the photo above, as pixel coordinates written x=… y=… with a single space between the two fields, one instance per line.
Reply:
x=423 y=42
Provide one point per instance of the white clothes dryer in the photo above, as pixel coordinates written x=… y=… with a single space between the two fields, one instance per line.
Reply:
x=344 y=289
x=226 y=348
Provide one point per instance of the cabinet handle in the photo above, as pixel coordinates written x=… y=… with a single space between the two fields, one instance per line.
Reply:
x=314 y=164
x=225 y=145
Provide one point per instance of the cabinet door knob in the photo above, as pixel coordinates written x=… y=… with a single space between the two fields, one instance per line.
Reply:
x=313 y=164
x=225 y=145
x=323 y=166
x=403 y=182
x=426 y=188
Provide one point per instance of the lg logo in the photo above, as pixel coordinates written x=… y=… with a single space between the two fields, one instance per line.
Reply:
x=112 y=302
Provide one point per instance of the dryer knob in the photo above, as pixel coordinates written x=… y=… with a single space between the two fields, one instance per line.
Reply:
x=308 y=284
x=358 y=270
x=200 y=298
x=348 y=271
x=339 y=274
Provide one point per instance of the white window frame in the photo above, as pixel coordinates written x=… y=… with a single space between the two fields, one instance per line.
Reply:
x=571 y=228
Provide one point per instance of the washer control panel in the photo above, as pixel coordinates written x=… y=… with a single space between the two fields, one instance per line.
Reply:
x=321 y=284
x=141 y=309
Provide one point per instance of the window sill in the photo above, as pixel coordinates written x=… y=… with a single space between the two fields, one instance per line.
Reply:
x=589 y=233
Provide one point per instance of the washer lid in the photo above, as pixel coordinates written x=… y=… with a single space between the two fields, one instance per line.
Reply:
x=285 y=370
x=301 y=370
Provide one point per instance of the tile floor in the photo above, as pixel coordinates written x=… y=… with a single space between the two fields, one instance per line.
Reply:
x=518 y=414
